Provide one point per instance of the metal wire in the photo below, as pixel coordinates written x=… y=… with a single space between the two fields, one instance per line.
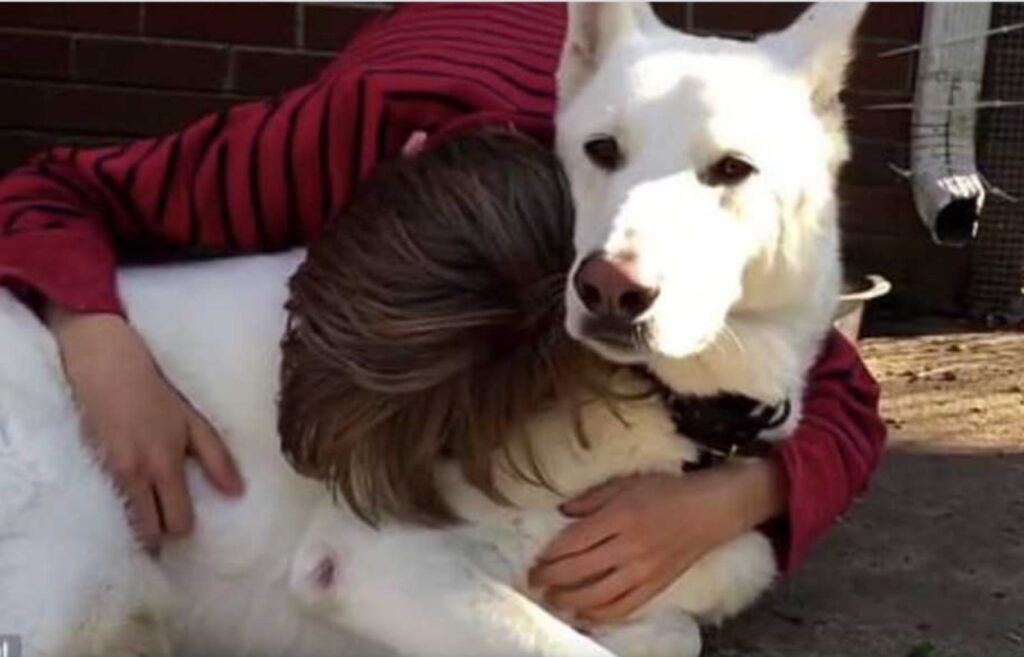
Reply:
x=997 y=255
x=962 y=38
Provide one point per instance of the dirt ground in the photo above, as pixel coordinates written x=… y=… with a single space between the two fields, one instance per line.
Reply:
x=931 y=562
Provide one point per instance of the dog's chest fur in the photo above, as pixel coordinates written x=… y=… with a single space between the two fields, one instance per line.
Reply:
x=631 y=438
x=235 y=569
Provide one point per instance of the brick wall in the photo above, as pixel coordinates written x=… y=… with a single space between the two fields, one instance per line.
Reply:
x=93 y=73
x=100 y=72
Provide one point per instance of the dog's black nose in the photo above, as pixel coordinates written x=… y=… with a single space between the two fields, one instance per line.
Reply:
x=611 y=287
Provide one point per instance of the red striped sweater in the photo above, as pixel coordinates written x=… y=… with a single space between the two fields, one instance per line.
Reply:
x=265 y=175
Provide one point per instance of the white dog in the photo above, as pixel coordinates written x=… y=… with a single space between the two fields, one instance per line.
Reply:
x=703 y=170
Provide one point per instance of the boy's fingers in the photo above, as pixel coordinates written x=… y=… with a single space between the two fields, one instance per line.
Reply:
x=594 y=499
x=174 y=499
x=621 y=607
x=214 y=457
x=603 y=591
x=143 y=515
x=414 y=145
x=582 y=535
x=573 y=571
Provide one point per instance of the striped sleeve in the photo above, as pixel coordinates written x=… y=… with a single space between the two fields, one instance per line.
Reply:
x=255 y=177
x=51 y=240
x=258 y=176
x=267 y=175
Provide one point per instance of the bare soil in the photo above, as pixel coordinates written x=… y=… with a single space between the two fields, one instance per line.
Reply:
x=930 y=563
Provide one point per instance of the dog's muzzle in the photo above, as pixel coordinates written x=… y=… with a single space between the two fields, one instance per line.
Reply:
x=611 y=288
x=615 y=300
x=614 y=333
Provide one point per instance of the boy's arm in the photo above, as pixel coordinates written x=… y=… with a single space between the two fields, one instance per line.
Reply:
x=832 y=454
x=54 y=240
x=254 y=177
x=633 y=537
x=139 y=425
x=265 y=175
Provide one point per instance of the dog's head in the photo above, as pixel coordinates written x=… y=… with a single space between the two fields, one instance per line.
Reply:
x=703 y=172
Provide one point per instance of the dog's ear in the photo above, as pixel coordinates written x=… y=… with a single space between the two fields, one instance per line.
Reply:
x=593 y=28
x=820 y=45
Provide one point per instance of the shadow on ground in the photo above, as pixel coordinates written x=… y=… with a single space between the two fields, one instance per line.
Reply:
x=931 y=562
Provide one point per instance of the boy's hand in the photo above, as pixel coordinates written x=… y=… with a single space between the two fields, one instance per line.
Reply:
x=633 y=537
x=142 y=428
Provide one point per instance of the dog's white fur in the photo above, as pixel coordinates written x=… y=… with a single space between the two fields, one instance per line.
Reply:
x=747 y=274
x=284 y=570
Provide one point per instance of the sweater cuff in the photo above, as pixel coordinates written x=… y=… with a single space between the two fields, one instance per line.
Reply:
x=69 y=270
x=780 y=530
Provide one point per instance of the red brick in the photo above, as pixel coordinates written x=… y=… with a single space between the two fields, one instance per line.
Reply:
x=924 y=276
x=892 y=75
x=150 y=63
x=243 y=22
x=895 y=20
x=886 y=210
x=876 y=124
x=17 y=146
x=329 y=27
x=34 y=55
x=273 y=71
x=870 y=160
x=745 y=16
x=938 y=277
x=103 y=17
x=102 y=111
x=674 y=14
x=876 y=254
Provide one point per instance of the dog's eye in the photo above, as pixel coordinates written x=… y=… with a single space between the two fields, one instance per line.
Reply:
x=604 y=151
x=730 y=170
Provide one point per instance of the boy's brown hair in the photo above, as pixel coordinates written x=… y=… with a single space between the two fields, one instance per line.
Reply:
x=428 y=321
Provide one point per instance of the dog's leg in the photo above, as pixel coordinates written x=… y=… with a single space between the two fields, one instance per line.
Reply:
x=73 y=583
x=416 y=592
x=663 y=633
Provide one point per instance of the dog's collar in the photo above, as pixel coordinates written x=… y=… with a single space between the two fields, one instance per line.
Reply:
x=723 y=425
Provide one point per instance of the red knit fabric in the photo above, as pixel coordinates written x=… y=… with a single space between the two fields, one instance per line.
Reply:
x=266 y=175
x=833 y=452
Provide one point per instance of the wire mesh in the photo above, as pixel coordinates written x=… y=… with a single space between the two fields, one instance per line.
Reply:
x=997 y=257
